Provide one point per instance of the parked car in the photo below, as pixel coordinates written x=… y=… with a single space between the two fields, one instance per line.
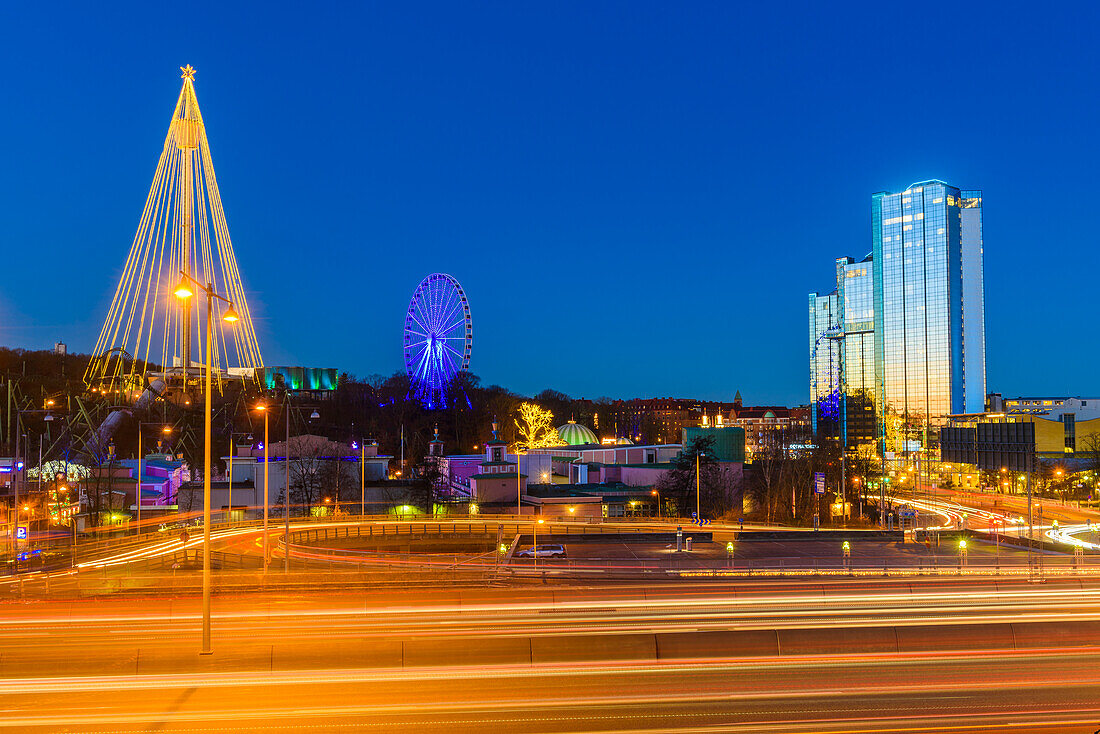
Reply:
x=543 y=551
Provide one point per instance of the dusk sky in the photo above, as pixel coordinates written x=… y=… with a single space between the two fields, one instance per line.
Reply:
x=637 y=197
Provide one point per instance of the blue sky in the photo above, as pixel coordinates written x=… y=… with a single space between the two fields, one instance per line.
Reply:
x=637 y=197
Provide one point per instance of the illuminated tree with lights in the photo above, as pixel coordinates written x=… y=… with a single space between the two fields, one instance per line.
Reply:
x=535 y=428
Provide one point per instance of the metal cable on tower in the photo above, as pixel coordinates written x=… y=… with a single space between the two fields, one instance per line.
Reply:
x=182 y=230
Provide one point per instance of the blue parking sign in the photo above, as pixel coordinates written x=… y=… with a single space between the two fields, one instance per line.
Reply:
x=21 y=533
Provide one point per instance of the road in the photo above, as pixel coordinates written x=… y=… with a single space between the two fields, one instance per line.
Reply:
x=327 y=662
x=922 y=693
x=867 y=654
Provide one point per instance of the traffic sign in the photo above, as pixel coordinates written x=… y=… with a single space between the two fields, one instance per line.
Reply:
x=819 y=482
x=21 y=532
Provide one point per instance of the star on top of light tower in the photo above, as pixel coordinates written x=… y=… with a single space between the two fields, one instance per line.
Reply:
x=188 y=73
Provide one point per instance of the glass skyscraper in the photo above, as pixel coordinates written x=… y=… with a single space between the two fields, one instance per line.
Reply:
x=900 y=343
x=842 y=355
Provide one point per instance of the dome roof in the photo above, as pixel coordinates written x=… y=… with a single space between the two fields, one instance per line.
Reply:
x=623 y=441
x=573 y=434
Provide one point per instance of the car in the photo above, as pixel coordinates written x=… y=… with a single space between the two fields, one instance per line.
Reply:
x=542 y=551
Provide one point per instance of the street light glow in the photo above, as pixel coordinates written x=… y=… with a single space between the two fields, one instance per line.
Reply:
x=183 y=290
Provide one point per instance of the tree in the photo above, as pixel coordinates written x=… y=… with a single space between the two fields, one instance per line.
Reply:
x=535 y=428
x=426 y=487
x=307 y=471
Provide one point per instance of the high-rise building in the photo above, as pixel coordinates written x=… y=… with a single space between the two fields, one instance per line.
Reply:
x=842 y=356
x=900 y=344
x=929 y=308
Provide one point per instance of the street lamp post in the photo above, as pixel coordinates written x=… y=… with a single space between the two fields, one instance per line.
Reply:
x=141 y=462
x=658 y=494
x=698 y=512
x=267 y=557
x=183 y=291
x=20 y=465
x=286 y=492
x=535 y=547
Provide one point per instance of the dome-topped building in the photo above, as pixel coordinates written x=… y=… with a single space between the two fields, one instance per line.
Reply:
x=574 y=434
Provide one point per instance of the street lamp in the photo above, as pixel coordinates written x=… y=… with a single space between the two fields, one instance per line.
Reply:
x=535 y=549
x=698 y=512
x=263 y=409
x=141 y=460
x=184 y=291
x=363 y=478
x=658 y=495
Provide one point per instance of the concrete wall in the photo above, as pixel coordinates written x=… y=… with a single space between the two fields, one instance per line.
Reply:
x=491 y=489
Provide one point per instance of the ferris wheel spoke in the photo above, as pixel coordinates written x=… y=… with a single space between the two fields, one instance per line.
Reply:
x=448 y=332
x=439 y=315
x=451 y=303
x=447 y=319
x=420 y=324
x=452 y=350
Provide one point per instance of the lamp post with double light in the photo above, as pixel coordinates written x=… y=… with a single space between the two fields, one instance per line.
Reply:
x=183 y=291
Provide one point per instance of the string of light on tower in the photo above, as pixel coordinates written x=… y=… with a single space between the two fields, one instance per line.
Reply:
x=182 y=231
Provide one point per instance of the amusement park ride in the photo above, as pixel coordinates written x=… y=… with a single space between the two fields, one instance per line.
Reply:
x=439 y=336
x=150 y=339
x=150 y=356
x=151 y=348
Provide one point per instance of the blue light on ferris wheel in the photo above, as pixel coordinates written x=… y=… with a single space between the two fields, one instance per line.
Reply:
x=438 y=339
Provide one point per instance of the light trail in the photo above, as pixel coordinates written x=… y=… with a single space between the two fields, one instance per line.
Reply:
x=925 y=692
x=1066 y=535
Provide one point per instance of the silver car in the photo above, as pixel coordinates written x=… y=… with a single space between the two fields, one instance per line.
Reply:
x=542 y=551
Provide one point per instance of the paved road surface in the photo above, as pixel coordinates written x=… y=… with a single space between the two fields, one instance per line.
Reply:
x=920 y=693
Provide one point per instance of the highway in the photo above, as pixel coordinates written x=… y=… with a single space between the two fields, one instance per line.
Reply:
x=870 y=653
x=775 y=656
x=920 y=693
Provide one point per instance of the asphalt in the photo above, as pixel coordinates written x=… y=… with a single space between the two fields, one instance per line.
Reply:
x=851 y=655
x=1032 y=692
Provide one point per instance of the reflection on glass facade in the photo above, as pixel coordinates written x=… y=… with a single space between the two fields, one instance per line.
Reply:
x=825 y=364
x=900 y=343
x=856 y=286
x=842 y=356
x=928 y=297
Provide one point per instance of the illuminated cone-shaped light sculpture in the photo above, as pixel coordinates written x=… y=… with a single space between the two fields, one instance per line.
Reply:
x=182 y=230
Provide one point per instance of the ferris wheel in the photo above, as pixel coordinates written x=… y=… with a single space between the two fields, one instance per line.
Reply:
x=439 y=335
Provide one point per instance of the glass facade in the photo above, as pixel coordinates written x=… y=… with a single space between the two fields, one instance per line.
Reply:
x=825 y=364
x=856 y=286
x=900 y=344
x=842 y=356
x=930 y=330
